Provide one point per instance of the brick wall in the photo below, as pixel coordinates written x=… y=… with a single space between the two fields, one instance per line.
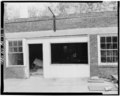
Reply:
x=106 y=71
x=14 y=72
x=93 y=55
x=93 y=20
x=95 y=70
x=29 y=26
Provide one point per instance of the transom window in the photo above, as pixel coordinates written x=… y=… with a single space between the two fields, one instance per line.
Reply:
x=15 y=53
x=109 y=49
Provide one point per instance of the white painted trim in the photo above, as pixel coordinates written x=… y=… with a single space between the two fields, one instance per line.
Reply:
x=109 y=64
x=15 y=65
x=35 y=41
x=69 y=40
x=27 y=61
x=7 y=58
x=99 y=55
x=64 y=41
x=31 y=41
x=61 y=39
x=24 y=51
x=68 y=32
x=89 y=53
x=47 y=53
x=110 y=34
x=14 y=39
x=46 y=58
x=73 y=39
x=26 y=56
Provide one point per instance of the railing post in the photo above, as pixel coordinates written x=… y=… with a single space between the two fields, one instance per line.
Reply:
x=54 y=23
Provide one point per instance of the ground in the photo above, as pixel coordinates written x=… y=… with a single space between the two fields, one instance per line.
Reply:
x=40 y=84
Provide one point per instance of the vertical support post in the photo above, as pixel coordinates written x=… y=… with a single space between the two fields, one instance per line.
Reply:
x=54 y=20
x=54 y=23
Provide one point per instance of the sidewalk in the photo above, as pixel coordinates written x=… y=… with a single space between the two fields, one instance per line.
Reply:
x=40 y=84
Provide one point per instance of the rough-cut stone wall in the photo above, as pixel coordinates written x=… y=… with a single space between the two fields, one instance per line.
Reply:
x=95 y=69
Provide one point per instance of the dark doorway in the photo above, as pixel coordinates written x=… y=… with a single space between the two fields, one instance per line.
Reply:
x=35 y=59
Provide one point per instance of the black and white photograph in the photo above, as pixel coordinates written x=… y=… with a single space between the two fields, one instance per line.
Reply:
x=60 y=47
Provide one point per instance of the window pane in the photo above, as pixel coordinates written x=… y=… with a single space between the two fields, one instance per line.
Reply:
x=109 y=59
x=14 y=43
x=103 y=59
x=115 y=46
x=20 y=49
x=115 y=53
x=103 y=46
x=114 y=39
x=10 y=43
x=20 y=59
x=15 y=49
x=103 y=53
x=109 y=46
x=108 y=39
x=11 y=49
x=19 y=43
x=115 y=59
x=109 y=53
x=20 y=62
x=16 y=59
x=102 y=39
x=14 y=46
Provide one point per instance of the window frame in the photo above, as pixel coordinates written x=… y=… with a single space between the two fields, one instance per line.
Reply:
x=99 y=54
x=71 y=39
x=7 y=53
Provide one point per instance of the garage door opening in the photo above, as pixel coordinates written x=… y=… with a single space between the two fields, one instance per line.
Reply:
x=35 y=59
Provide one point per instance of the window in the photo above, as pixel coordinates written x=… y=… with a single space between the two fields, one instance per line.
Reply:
x=15 y=53
x=109 y=49
x=69 y=53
